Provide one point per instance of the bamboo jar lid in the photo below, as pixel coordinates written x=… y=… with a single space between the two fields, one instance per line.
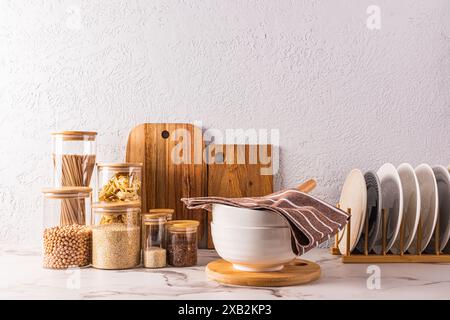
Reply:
x=122 y=165
x=153 y=219
x=161 y=210
x=75 y=135
x=67 y=192
x=154 y=215
x=183 y=225
x=116 y=207
x=159 y=213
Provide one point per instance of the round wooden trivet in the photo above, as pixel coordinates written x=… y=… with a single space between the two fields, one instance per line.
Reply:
x=295 y=273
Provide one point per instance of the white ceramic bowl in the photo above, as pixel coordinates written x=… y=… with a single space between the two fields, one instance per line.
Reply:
x=253 y=248
x=231 y=216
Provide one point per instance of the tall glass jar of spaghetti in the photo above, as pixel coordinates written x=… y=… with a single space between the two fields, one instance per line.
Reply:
x=73 y=155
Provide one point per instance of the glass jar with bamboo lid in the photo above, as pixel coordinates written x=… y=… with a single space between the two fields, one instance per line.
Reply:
x=66 y=232
x=119 y=181
x=73 y=155
x=182 y=242
x=116 y=237
x=164 y=211
x=153 y=236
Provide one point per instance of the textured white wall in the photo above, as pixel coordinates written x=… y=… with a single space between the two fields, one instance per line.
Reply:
x=341 y=95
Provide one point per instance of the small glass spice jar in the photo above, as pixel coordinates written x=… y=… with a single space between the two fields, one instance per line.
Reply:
x=167 y=212
x=181 y=242
x=73 y=156
x=66 y=233
x=119 y=181
x=153 y=236
x=116 y=235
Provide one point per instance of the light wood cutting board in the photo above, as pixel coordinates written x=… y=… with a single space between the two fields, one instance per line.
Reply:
x=239 y=171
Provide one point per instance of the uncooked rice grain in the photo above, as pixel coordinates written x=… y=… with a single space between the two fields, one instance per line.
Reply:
x=115 y=246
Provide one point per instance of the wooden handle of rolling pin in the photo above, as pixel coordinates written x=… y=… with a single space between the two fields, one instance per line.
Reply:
x=307 y=186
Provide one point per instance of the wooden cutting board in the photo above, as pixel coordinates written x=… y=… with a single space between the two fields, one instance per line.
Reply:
x=239 y=170
x=295 y=273
x=166 y=182
x=236 y=171
x=172 y=168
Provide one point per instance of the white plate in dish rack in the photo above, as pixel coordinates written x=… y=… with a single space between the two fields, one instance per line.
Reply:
x=354 y=197
x=411 y=206
x=443 y=184
x=429 y=205
x=392 y=200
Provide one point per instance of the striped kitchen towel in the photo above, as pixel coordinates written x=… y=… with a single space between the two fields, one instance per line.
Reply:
x=312 y=221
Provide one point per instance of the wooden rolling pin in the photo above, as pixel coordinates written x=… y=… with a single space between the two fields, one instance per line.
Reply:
x=307 y=186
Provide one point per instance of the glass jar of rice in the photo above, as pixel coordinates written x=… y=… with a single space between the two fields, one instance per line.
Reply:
x=153 y=236
x=116 y=235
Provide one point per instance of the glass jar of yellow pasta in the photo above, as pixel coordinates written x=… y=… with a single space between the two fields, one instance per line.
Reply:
x=119 y=182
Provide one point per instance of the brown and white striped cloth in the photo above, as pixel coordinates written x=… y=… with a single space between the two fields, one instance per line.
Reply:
x=312 y=221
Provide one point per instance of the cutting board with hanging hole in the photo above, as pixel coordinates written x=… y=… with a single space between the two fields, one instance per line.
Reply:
x=216 y=170
x=170 y=169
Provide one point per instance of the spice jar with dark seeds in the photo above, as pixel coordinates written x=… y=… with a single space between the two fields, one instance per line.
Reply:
x=181 y=242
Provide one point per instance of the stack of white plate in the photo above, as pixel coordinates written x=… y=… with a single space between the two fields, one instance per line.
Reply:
x=417 y=198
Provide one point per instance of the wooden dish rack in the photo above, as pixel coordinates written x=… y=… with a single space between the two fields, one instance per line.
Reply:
x=386 y=257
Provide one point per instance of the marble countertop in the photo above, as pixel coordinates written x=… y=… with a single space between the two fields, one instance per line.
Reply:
x=22 y=277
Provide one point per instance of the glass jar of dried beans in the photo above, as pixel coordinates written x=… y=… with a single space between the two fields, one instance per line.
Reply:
x=67 y=235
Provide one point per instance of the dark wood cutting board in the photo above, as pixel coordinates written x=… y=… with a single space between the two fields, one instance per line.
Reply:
x=165 y=182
